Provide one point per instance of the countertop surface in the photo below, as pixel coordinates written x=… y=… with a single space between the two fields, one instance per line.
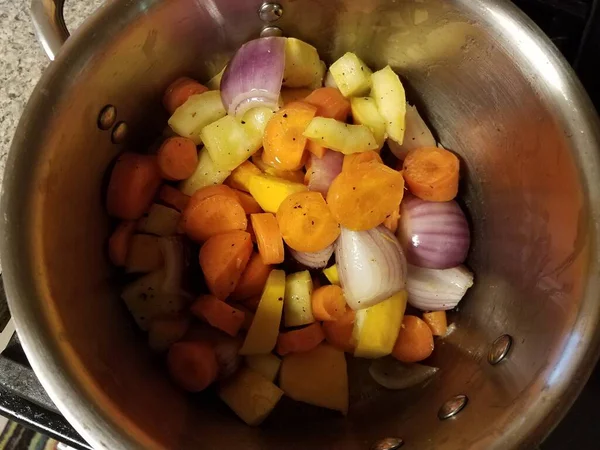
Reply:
x=23 y=60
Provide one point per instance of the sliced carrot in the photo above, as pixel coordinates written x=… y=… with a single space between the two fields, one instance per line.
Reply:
x=118 y=244
x=437 y=321
x=431 y=173
x=210 y=191
x=306 y=223
x=253 y=279
x=328 y=303
x=223 y=259
x=330 y=103
x=268 y=238
x=177 y=158
x=415 y=341
x=316 y=149
x=283 y=141
x=391 y=221
x=250 y=205
x=361 y=197
x=250 y=231
x=339 y=332
x=266 y=166
x=213 y=215
x=193 y=365
x=173 y=197
x=357 y=158
x=218 y=314
x=289 y=95
x=133 y=184
x=179 y=91
x=240 y=177
x=301 y=340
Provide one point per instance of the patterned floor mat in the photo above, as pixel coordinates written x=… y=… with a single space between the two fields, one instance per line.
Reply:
x=17 y=437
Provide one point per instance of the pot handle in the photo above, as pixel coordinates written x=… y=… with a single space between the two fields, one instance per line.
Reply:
x=49 y=23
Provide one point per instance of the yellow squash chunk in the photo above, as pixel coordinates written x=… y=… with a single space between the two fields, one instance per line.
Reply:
x=250 y=395
x=266 y=365
x=332 y=274
x=376 y=328
x=389 y=95
x=240 y=177
x=197 y=112
x=270 y=191
x=206 y=174
x=351 y=75
x=318 y=377
x=365 y=112
x=297 y=307
x=262 y=335
x=159 y=220
x=340 y=136
x=302 y=64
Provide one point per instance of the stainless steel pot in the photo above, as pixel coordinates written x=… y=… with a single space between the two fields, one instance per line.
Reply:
x=495 y=90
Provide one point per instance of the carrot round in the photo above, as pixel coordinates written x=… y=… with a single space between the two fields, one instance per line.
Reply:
x=330 y=103
x=283 y=141
x=133 y=184
x=339 y=332
x=301 y=340
x=213 y=215
x=268 y=238
x=118 y=244
x=415 y=341
x=268 y=167
x=437 y=322
x=210 y=191
x=316 y=149
x=361 y=197
x=328 y=303
x=250 y=205
x=177 y=158
x=356 y=158
x=253 y=279
x=223 y=259
x=179 y=91
x=306 y=223
x=218 y=314
x=173 y=197
x=192 y=365
x=431 y=173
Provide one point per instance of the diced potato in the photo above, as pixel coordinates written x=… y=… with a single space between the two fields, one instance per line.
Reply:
x=318 y=377
x=206 y=174
x=318 y=81
x=297 y=307
x=389 y=95
x=197 y=112
x=250 y=395
x=266 y=365
x=365 y=112
x=262 y=335
x=146 y=301
x=160 y=220
x=215 y=82
x=302 y=64
x=340 y=136
x=270 y=191
x=351 y=75
x=332 y=274
x=144 y=254
x=376 y=328
x=240 y=177
x=254 y=123
x=165 y=331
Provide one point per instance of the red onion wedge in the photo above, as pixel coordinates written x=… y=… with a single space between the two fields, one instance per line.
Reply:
x=393 y=374
x=416 y=134
x=316 y=260
x=437 y=290
x=253 y=76
x=371 y=266
x=433 y=234
x=324 y=170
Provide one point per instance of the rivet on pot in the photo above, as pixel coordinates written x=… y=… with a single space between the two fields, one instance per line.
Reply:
x=452 y=407
x=107 y=117
x=388 y=444
x=270 y=12
x=119 y=133
x=499 y=349
x=271 y=31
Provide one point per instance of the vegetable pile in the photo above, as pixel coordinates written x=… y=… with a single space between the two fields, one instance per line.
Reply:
x=264 y=179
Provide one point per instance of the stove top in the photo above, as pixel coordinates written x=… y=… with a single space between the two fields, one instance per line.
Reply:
x=574 y=27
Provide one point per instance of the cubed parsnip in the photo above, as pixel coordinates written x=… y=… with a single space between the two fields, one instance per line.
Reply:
x=215 y=82
x=270 y=191
x=340 y=136
x=240 y=177
x=267 y=365
x=351 y=75
x=332 y=274
x=250 y=395
x=228 y=143
x=206 y=174
x=302 y=64
x=297 y=307
x=160 y=220
x=365 y=112
x=144 y=254
x=318 y=377
x=389 y=95
x=196 y=113
x=376 y=328
x=254 y=123
x=262 y=335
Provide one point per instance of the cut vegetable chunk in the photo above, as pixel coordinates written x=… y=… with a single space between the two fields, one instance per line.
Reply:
x=119 y=242
x=218 y=314
x=240 y=177
x=177 y=158
x=268 y=238
x=192 y=365
x=300 y=340
x=332 y=274
x=437 y=322
x=416 y=135
x=250 y=205
x=390 y=98
x=340 y=136
x=144 y=254
x=206 y=174
x=329 y=103
x=197 y=112
x=297 y=176
x=339 y=332
x=297 y=307
x=351 y=161
x=213 y=215
x=432 y=173
x=414 y=342
x=365 y=112
x=180 y=91
x=253 y=279
x=328 y=303
x=173 y=197
x=270 y=191
x=266 y=365
x=211 y=191
x=302 y=64
x=351 y=75
x=160 y=220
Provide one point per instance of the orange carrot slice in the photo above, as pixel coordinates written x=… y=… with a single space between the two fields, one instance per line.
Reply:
x=357 y=158
x=339 y=332
x=431 y=173
x=179 y=91
x=253 y=279
x=268 y=238
x=118 y=244
x=391 y=222
x=218 y=314
x=250 y=205
x=177 y=158
x=173 y=197
x=330 y=103
x=437 y=322
x=192 y=365
x=328 y=303
x=213 y=215
x=415 y=341
x=316 y=149
x=300 y=340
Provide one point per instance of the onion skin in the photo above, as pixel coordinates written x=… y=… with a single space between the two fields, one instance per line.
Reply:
x=324 y=170
x=437 y=290
x=433 y=234
x=314 y=260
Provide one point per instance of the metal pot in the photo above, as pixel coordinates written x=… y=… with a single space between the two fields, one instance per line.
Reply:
x=495 y=90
